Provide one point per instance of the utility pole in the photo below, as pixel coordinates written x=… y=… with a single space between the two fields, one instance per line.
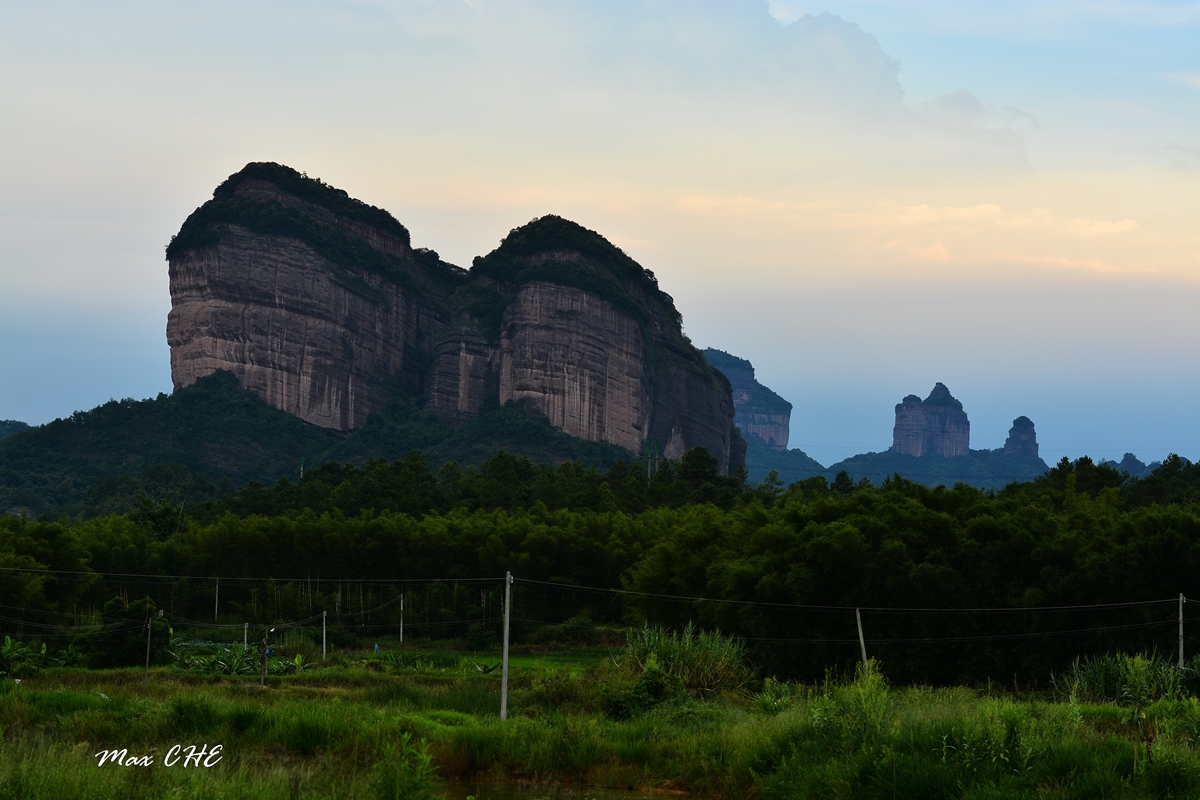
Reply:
x=217 y=600
x=862 y=644
x=245 y=634
x=1182 y=600
x=508 y=578
x=402 y=618
x=324 y=614
x=149 y=630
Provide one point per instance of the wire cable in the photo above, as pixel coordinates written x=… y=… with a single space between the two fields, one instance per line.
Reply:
x=873 y=609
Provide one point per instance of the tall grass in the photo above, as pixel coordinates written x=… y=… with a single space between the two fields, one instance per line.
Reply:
x=1137 y=680
x=363 y=734
x=705 y=661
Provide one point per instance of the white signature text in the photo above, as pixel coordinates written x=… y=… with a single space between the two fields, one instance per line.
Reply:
x=190 y=756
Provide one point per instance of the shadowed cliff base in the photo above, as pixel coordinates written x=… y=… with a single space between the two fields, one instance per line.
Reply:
x=789 y=465
x=231 y=437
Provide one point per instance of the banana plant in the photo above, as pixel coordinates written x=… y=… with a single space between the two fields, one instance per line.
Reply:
x=293 y=667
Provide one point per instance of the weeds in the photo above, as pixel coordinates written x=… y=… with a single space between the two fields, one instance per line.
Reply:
x=1121 y=678
x=405 y=772
x=704 y=661
x=354 y=733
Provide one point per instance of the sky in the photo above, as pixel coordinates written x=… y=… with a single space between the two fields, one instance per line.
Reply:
x=862 y=198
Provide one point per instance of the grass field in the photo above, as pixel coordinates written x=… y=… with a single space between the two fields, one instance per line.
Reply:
x=407 y=722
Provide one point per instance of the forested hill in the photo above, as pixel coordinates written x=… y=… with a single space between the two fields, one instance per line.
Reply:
x=11 y=426
x=213 y=436
x=986 y=469
x=196 y=447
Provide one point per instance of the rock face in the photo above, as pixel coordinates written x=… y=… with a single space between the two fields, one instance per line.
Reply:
x=587 y=338
x=937 y=424
x=759 y=411
x=1022 y=440
x=318 y=303
x=272 y=312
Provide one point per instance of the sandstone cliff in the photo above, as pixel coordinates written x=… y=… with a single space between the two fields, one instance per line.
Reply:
x=314 y=310
x=561 y=319
x=319 y=303
x=759 y=411
x=936 y=424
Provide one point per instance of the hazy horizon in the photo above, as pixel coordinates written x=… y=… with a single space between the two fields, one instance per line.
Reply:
x=860 y=198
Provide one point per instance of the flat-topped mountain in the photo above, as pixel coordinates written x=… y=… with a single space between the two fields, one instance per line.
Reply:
x=936 y=424
x=760 y=412
x=319 y=303
x=764 y=419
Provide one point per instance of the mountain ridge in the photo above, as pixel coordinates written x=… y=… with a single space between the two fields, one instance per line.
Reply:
x=319 y=303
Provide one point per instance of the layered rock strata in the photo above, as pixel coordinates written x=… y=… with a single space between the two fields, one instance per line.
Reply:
x=318 y=303
x=936 y=424
x=605 y=363
x=760 y=412
x=305 y=339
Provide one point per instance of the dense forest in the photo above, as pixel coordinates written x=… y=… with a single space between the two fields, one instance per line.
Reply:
x=95 y=462
x=785 y=568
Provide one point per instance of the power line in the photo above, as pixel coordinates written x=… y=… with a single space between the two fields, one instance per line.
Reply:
x=831 y=608
x=925 y=640
x=305 y=579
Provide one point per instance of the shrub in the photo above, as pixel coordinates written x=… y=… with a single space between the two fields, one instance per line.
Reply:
x=20 y=660
x=478 y=638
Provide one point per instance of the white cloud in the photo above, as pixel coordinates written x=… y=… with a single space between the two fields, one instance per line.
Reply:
x=1188 y=79
x=785 y=11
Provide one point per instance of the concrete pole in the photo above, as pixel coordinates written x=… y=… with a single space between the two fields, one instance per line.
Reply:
x=1182 y=600
x=504 y=657
x=149 y=630
x=862 y=644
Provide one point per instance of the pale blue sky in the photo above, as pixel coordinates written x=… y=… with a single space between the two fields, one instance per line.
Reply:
x=861 y=198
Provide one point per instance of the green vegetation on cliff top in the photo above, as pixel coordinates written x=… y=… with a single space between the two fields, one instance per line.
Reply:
x=606 y=271
x=209 y=223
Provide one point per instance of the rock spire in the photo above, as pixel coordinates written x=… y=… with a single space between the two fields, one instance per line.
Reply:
x=936 y=424
x=1022 y=440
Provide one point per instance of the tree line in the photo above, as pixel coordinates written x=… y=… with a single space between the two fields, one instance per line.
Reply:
x=615 y=548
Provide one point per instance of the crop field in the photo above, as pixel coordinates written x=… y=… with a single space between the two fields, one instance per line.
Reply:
x=663 y=713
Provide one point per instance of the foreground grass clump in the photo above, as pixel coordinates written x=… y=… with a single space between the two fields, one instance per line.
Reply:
x=651 y=717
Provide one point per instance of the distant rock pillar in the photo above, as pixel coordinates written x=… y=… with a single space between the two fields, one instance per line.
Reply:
x=908 y=436
x=1022 y=440
x=947 y=429
x=936 y=424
